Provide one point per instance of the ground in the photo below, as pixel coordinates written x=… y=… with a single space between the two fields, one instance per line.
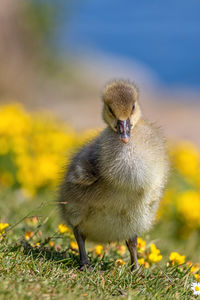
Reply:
x=49 y=270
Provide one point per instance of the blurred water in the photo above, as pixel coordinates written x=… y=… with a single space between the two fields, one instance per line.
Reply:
x=163 y=35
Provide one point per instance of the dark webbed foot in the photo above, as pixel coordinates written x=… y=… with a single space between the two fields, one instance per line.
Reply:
x=86 y=267
x=132 y=247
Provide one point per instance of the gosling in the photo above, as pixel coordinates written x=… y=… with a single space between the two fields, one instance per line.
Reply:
x=113 y=185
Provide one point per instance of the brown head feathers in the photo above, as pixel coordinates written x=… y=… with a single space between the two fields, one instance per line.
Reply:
x=120 y=95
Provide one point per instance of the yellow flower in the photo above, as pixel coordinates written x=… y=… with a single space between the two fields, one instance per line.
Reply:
x=187 y=158
x=141 y=245
x=14 y=114
x=197 y=277
x=146 y=265
x=99 y=249
x=188 y=206
x=62 y=228
x=36 y=144
x=154 y=256
x=74 y=245
x=28 y=235
x=154 y=249
x=195 y=268
x=3 y=226
x=4 y=146
x=120 y=262
x=141 y=261
x=176 y=258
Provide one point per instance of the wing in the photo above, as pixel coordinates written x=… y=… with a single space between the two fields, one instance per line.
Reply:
x=84 y=167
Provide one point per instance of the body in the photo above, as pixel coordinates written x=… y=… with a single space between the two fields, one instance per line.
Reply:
x=112 y=188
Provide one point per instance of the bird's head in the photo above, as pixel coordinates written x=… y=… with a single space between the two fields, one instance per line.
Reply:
x=121 y=110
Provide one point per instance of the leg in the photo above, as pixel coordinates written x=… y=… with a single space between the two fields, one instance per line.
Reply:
x=132 y=247
x=81 y=245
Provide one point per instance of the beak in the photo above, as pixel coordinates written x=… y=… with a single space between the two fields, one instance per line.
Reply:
x=123 y=129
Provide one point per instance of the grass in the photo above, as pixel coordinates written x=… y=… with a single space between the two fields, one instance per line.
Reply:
x=52 y=273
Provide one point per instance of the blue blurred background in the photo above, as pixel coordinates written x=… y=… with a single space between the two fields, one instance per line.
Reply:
x=162 y=35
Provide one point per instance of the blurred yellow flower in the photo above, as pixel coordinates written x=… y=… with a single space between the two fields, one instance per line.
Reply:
x=187 y=159
x=3 y=226
x=74 y=245
x=195 y=268
x=188 y=206
x=62 y=228
x=14 y=114
x=120 y=262
x=99 y=249
x=154 y=256
x=4 y=146
x=28 y=235
x=176 y=258
x=36 y=146
x=141 y=261
x=197 y=277
x=141 y=245
x=154 y=249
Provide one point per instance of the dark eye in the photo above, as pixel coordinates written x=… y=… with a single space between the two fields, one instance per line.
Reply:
x=110 y=110
x=133 y=108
